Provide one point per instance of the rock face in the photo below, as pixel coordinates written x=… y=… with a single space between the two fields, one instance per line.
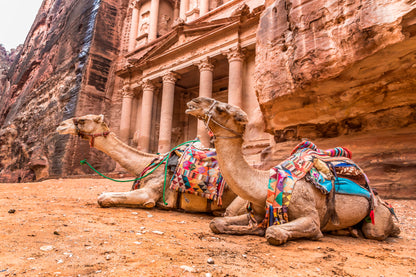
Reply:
x=6 y=60
x=343 y=73
x=61 y=72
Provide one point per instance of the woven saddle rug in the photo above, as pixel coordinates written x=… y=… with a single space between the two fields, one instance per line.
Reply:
x=198 y=173
x=318 y=167
x=172 y=163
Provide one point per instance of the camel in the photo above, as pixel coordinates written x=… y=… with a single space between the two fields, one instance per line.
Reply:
x=149 y=195
x=307 y=212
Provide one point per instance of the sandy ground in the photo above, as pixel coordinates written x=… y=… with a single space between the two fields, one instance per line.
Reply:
x=56 y=228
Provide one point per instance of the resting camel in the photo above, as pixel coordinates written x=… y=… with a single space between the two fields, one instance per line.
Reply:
x=307 y=212
x=94 y=129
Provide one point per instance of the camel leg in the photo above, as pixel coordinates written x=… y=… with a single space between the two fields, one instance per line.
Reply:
x=140 y=198
x=236 y=225
x=304 y=220
x=384 y=225
x=303 y=227
x=237 y=207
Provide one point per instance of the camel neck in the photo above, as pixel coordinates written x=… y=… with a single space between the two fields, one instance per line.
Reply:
x=246 y=181
x=131 y=159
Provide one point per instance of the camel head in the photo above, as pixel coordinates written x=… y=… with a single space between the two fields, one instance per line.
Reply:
x=221 y=118
x=86 y=127
x=87 y=124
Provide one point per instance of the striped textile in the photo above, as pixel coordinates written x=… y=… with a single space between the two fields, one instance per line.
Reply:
x=198 y=173
x=284 y=176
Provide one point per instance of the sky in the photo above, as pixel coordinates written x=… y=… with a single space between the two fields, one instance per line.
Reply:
x=16 y=19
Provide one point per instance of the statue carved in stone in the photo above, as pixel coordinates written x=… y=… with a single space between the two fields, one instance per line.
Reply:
x=164 y=24
x=144 y=23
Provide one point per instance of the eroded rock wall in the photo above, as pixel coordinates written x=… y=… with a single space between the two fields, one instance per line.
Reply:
x=98 y=85
x=49 y=82
x=6 y=60
x=342 y=73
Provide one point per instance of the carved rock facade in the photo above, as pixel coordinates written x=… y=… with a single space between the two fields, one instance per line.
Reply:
x=338 y=73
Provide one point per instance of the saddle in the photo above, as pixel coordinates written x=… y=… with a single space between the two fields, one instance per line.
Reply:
x=330 y=171
x=195 y=170
x=198 y=173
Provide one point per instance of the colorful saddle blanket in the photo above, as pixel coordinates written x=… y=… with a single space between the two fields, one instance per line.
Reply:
x=308 y=161
x=160 y=161
x=342 y=185
x=198 y=173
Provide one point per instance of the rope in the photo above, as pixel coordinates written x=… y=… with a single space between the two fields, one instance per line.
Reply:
x=82 y=162
x=102 y=175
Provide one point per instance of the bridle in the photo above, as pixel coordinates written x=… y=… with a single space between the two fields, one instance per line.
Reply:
x=88 y=136
x=208 y=117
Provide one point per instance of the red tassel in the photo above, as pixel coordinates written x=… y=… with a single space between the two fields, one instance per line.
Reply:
x=372 y=216
x=211 y=134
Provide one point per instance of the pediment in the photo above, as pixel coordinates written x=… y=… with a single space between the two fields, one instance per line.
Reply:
x=183 y=34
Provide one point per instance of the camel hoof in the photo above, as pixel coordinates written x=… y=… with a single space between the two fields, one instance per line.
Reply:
x=276 y=236
x=274 y=241
x=104 y=201
x=213 y=227
x=149 y=204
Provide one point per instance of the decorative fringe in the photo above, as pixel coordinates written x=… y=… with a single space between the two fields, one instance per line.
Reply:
x=372 y=217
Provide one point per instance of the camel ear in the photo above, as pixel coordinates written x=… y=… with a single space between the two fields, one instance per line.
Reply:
x=99 y=118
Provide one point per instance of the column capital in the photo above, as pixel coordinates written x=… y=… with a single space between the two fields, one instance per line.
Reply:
x=235 y=54
x=147 y=85
x=126 y=92
x=170 y=77
x=134 y=4
x=205 y=65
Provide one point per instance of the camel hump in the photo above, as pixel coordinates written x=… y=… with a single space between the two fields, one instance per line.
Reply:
x=333 y=152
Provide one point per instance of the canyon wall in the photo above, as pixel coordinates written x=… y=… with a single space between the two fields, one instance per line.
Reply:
x=6 y=60
x=61 y=71
x=342 y=73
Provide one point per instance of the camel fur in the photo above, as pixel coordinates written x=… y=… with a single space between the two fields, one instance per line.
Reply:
x=134 y=161
x=308 y=206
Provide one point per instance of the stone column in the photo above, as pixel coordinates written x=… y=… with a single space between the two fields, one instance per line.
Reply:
x=235 y=77
x=203 y=7
x=146 y=115
x=206 y=70
x=166 y=113
x=134 y=25
x=154 y=18
x=126 y=114
x=176 y=10
x=183 y=9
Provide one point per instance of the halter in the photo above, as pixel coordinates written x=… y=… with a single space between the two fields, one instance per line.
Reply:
x=90 y=137
x=208 y=117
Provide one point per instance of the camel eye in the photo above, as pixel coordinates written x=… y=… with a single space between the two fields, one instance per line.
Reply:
x=220 y=109
x=81 y=121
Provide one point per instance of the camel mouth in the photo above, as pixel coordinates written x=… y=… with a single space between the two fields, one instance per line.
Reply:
x=191 y=108
x=61 y=129
x=64 y=129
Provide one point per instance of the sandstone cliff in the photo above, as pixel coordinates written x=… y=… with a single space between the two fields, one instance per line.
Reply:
x=6 y=60
x=61 y=71
x=343 y=73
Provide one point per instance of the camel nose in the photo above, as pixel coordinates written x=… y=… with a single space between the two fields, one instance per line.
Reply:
x=61 y=128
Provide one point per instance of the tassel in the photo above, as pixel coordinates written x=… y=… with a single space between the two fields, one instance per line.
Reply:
x=372 y=217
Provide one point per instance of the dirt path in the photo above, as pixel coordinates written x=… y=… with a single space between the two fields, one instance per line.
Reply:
x=55 y=228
